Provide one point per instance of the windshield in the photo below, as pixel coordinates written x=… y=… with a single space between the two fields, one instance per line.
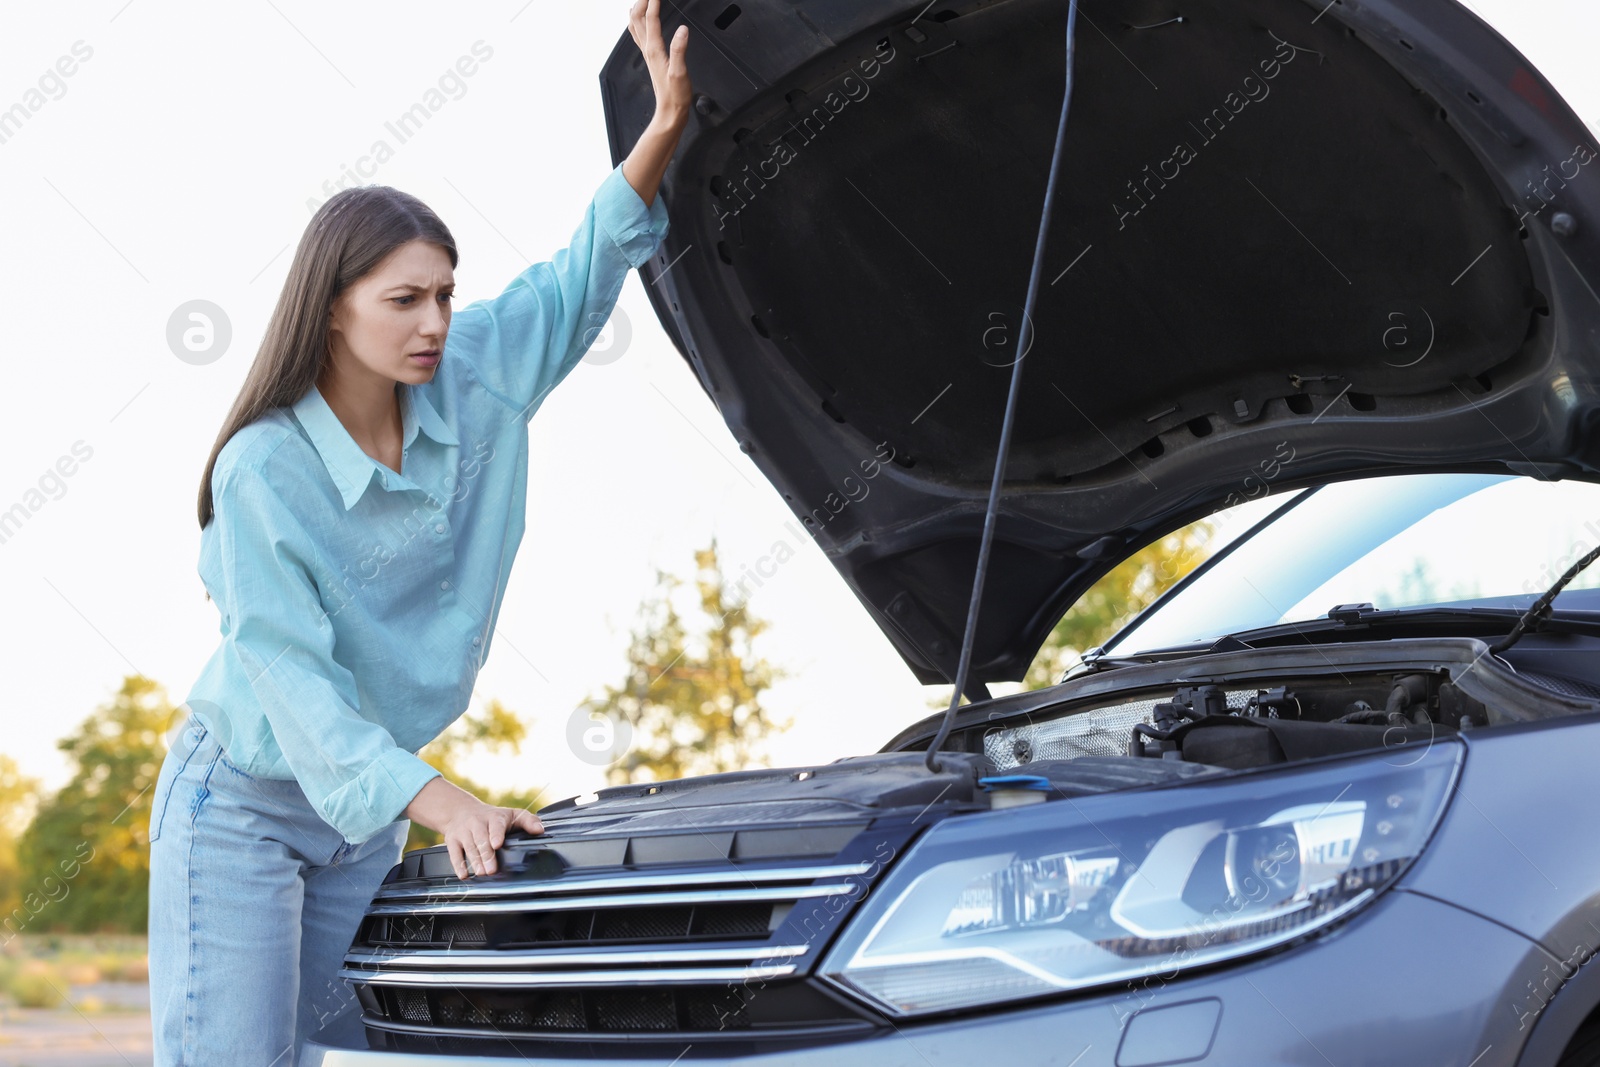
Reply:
x=1419 y=540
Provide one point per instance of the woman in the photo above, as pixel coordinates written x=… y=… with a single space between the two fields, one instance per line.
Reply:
x=355 y=616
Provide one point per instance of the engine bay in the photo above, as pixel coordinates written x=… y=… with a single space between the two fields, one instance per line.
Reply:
x=1135 y=727
x=1158 y=724
x=1236 y=727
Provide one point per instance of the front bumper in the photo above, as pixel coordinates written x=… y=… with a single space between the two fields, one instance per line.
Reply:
x=1407 y=980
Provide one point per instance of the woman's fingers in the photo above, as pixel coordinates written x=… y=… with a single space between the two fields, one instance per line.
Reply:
x=680 y=44
x=470 y=851
x=473 y=840
x=644 y=26
x=652 y=27
x=480 y=840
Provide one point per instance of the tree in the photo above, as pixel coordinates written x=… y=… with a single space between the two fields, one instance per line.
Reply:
x=691 y=700
x=83 y=863
x=497 y=729
x=18 y=797
x=1120 y=594
x=84 y=858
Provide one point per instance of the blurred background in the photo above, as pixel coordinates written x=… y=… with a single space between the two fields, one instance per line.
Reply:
x=662 y=594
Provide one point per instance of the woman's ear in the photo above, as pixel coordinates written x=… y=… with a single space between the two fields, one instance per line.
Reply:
x=334 y=315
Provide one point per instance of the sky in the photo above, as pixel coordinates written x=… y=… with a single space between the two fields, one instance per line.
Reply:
x=180 y=161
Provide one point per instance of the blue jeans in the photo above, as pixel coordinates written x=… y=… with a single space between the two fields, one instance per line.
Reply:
x=254 y=900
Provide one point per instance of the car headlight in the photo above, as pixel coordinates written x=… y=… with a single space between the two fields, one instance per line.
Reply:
x=1076 y=893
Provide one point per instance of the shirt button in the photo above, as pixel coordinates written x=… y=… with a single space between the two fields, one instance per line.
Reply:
x=444 y=585
x=439 y=528
x=477 y=641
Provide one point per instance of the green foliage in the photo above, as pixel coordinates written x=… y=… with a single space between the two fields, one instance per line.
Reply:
x=693 y=699
x=41 y=971
x=1113 y=601
x=18 y=797
x=496 y=729
x=36 y=984
x=82 y=863
x=84 y=858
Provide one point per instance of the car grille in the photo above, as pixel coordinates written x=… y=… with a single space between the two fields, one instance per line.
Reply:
x=655 y=917
x=718 y=951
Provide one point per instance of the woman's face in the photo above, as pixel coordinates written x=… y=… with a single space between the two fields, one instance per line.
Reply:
x=398 y=312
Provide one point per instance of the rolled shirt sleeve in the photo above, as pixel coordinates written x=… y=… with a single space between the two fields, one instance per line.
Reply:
x=522 y=343
x=350 y=768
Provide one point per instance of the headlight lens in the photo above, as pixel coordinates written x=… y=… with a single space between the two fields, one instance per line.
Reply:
x=1072 y=894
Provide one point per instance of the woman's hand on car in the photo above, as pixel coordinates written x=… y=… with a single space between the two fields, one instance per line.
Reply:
x=472 y=830
x=669 y=73
x=646 y=164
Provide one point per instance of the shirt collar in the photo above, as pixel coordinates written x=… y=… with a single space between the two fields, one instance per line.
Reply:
x=350 y=468
x=427 y=419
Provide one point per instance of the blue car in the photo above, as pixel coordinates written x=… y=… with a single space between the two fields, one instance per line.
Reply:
x=1321 y=286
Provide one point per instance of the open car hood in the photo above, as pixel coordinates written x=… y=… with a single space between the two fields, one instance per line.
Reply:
x=1293 y=243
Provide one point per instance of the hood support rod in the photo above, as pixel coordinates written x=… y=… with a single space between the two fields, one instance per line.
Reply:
x=1025 y=341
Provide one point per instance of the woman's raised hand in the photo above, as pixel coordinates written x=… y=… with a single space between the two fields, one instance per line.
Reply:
x=669 y=72
x=472 y=829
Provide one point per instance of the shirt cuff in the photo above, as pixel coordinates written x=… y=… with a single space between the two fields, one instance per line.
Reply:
x=378 y=795
x=636 y=229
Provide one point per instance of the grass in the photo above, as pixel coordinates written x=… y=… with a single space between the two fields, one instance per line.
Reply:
x=39 y=970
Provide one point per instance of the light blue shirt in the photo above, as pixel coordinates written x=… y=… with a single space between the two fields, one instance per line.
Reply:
x=358 y=604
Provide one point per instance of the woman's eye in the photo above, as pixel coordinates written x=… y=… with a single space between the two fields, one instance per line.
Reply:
x=448 y=296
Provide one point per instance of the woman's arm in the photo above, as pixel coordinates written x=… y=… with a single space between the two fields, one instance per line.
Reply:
x=472 y=829
x=522 y=343
x=349 y=767
x=646 y=165
x=279 y=641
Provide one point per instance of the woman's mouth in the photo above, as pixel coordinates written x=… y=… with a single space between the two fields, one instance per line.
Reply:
x=427 y=359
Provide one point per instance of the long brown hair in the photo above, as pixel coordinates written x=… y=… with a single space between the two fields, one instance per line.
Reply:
x=348 y=236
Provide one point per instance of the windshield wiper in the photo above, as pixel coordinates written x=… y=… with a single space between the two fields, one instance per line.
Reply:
x=1542 y=609
x=1098 y=659
x=1365 y=616
x=1341 y=616
x=1349 y=616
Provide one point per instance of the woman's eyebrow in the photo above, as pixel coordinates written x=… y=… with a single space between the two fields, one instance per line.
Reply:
x=418 y=288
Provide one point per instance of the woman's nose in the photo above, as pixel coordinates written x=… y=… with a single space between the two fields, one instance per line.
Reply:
x=436 y=325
